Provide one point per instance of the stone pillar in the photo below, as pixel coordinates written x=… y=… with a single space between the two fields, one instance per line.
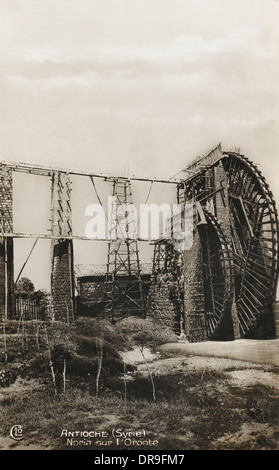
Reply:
x=224 y=218
x=165 y=297
x=194 y=302
x=7 y=304
x=62 y=272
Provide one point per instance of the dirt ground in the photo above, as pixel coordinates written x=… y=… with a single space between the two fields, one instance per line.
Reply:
x=258 y=351
x=230 y=393
x=248 y=365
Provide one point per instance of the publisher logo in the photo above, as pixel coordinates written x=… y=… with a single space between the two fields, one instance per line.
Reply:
x=16 y=432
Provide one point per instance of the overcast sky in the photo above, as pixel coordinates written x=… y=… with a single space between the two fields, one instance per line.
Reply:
x=139 y=85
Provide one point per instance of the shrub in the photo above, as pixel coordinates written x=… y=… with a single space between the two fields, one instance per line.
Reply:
x=7 y=377
x=144 y=332
x=92 y=327
x=87 y=346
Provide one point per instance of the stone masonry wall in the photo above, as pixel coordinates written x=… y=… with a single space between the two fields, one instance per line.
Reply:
x=6 y=245
x=164 y=301
x=223 y=216
x=62 y=282
x=62 y=275
x=194 y=305
x=92 y=290
x=91 y=295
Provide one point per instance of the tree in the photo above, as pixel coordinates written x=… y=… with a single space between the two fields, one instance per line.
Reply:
x=24 y=286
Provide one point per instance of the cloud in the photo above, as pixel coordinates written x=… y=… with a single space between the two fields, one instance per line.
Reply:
x=217 y=79
x=107 y=76
x=69 y=30
x=186 y=48
x=87 y=79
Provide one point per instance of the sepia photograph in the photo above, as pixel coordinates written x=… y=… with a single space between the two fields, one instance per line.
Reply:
x=139 y=229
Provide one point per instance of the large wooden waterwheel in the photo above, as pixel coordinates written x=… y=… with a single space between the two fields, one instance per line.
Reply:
x=218 y=278
x=238 y=234
x=254 y=227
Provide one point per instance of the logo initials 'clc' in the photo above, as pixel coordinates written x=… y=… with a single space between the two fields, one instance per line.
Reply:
x=16 y=432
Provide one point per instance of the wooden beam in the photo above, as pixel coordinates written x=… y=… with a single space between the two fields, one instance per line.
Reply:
x=246 y=217
x=26 y=261
x=45 y=236
x=202 y=220
x=48 y=171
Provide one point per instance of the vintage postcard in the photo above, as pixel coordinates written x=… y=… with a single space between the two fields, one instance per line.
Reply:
x=139 y=236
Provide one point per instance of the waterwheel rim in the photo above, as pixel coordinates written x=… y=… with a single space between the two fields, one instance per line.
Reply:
x=254 y=225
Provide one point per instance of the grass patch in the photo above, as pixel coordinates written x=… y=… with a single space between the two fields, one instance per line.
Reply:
x=191 y=418
x=196 y=406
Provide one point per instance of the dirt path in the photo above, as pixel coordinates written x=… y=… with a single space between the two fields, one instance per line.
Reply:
x=256 y=351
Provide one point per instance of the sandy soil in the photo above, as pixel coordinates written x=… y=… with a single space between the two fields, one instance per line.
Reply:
x=258 y=351
x=244 y=365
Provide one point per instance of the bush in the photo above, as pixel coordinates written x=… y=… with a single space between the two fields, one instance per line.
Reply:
x=144 y=332
x=83 y=351
x=92 y=327
x=85 y=361
x=88 y=347
x=86 y=357
x=7 y=377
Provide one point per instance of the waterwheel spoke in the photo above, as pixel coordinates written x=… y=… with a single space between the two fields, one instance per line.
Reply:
x=255 y=238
